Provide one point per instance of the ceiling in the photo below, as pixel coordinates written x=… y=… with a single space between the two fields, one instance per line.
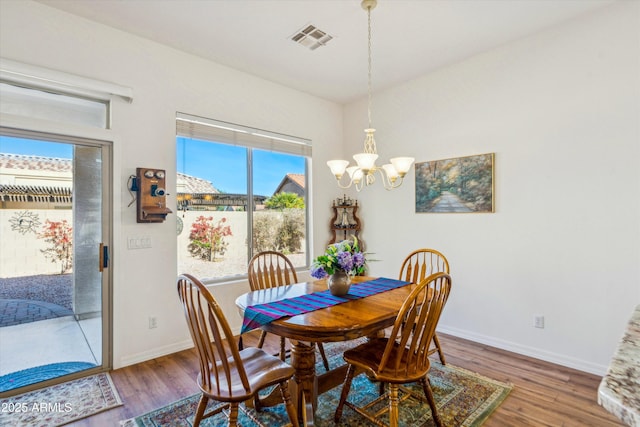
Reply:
x=409 y=37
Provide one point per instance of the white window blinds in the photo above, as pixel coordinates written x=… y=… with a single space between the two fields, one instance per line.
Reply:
x=39 y=104
x=33 y=76
x=229 y=133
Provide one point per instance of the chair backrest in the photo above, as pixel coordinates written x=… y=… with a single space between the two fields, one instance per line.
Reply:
x=270 y=269
x=220 y=364
x=407 y=352
x=422 y=263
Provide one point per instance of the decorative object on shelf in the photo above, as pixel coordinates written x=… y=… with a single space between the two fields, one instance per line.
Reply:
x=458 y=185
x=344 y=201
x=340 y=259
x=345 y=221
x=363 y=173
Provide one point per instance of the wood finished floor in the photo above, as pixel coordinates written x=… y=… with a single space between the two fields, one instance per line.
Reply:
x=544 y=394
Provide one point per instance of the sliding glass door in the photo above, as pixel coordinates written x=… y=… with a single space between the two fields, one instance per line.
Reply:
x=55 y=227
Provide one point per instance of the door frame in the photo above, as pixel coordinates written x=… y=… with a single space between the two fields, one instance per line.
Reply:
x=22 y=127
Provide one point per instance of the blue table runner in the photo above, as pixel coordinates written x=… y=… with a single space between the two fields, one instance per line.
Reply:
x=260 y=314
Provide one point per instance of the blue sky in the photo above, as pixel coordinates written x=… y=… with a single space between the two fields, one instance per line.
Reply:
x=10 y=145
x=224 y=165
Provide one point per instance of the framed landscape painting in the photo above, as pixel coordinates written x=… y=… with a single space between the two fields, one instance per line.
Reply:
x=459 y=185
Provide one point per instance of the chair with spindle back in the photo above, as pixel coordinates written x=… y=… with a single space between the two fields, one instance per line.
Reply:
x=226 y=373
x=404 y=356
x=419 y=264
x=270 y=269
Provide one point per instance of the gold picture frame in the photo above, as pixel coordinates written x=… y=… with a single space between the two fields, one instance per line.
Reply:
x=456 y=185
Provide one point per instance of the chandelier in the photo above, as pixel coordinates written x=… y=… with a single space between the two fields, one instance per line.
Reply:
x=363 y=173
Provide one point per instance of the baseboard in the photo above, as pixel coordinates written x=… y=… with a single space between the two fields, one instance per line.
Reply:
x=155 y=352
x=559 y=359
x=547 y=356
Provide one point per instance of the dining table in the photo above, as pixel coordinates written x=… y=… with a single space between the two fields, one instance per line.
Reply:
x=353 y=318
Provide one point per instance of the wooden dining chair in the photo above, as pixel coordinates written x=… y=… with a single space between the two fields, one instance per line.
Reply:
x=403 y=357
x=226 y=373
x=270 y=269
x=419 y=264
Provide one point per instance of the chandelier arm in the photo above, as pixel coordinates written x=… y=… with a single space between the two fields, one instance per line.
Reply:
x=386 y=182
x=370 y=177
x=344 y=187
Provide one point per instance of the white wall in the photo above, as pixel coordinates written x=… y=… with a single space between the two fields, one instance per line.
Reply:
x=164 y=81
x=561 y=110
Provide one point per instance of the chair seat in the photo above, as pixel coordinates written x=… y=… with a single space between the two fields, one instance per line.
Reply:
x=262 y=370
x=368 y=356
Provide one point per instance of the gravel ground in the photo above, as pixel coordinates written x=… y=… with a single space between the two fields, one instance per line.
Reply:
x=55 y=289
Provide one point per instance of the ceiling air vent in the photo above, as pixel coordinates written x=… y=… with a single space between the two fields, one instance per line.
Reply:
x=311 y=37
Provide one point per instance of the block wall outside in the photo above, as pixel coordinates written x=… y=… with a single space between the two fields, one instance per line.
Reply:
x=20 y=253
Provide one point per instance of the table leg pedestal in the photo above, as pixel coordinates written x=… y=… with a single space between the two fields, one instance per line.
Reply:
x=303 y=360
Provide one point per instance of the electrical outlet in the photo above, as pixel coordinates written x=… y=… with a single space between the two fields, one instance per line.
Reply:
x=538 y=321
x=153 y=322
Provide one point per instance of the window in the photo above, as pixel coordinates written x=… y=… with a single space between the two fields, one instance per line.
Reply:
x=239 y=191
x=56 y=107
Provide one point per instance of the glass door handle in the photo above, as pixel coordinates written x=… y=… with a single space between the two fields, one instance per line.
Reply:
x=104 y=256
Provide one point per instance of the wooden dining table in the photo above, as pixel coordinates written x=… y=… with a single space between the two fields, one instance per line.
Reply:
x=353 y=319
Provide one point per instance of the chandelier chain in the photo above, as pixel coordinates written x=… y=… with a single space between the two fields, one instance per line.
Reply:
x=369 y=142
x=369 y=64
x=363 y=173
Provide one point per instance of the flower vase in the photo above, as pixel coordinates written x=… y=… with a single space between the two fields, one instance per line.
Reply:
x=339 y=283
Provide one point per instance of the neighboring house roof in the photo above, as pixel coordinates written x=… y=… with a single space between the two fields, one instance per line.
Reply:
x=19 y=161
x=291 y=183
x=48 y=167
x=298 y=178
x=191 y=184
x=26 y=179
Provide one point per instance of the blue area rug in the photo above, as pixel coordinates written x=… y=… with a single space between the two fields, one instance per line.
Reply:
x=41 y=373
x=463 y=398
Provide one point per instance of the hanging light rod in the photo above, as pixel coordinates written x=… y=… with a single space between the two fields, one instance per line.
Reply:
x=363 y=174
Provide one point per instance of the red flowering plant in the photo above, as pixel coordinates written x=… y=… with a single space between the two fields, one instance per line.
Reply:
x=59 y=236
x=208 y=238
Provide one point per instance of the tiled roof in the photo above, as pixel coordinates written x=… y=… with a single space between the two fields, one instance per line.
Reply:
x=298 y=178
x=191 y=184
x=19 y=161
